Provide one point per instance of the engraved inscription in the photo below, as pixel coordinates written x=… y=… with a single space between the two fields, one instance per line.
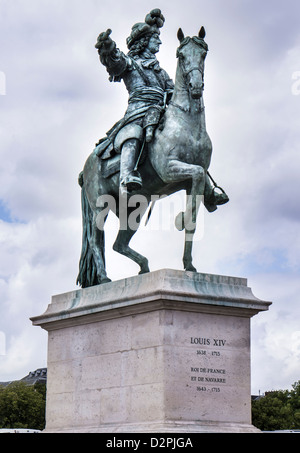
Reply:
x=208 y=341
x=208 y=371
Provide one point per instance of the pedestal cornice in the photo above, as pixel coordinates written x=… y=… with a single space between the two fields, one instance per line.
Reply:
x=162 y=289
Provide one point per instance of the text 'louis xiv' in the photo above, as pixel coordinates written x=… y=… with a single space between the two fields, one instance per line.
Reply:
x=208 y=341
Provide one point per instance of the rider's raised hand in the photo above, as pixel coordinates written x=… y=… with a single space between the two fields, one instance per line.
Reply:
x=105 y=44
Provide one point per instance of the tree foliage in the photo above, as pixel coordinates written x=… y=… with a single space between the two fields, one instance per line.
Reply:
x=278 y=410
x=22 y=406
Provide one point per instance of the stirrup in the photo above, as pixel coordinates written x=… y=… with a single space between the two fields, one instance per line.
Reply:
x=216 y=199
x=219 y=198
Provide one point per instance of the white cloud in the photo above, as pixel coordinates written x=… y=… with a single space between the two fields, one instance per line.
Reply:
x=38 y=259
x=24 y=352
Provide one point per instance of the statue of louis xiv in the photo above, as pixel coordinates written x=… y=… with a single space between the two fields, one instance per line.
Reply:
x=149 y=87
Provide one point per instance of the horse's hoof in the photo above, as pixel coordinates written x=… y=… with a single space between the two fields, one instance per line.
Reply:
x=105 y=280
x=179 y=221
x=144 y=271
x=190 y=268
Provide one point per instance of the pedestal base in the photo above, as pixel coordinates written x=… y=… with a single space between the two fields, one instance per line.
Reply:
x=162 y=427
x=167 y=351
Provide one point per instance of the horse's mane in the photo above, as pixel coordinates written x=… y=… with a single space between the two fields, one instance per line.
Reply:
x=199 y=41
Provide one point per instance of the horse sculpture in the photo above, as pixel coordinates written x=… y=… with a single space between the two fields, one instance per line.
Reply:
x=176 y=159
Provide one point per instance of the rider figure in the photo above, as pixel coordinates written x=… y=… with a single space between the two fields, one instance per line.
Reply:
x=149 y=88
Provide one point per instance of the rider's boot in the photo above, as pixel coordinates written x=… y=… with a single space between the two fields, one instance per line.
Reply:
x=213 y=198
x=130 y=179
x=149 y=133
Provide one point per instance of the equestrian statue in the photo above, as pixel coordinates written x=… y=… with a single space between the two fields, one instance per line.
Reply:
x=159 y=147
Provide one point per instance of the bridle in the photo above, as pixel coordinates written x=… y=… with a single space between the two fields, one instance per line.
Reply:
x=201 y=43
x=185 y=75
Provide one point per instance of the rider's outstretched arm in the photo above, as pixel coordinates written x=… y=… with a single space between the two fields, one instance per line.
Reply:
x=110 y=56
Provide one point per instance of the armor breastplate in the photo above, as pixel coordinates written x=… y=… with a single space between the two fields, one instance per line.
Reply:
x=138 y=76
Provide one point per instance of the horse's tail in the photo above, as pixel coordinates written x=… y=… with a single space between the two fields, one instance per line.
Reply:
x=87 y=266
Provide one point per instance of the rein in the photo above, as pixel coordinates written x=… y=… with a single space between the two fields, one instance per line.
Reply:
x=193 y=69
x=185 y=109
x=186 y=73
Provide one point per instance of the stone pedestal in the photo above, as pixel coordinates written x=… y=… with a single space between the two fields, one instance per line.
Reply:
x=167 y=351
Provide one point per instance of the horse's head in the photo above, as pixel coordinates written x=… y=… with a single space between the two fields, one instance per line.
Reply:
x=191 y=55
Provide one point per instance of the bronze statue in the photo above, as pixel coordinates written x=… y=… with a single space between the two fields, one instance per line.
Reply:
x=161 y=146
x=148 y=86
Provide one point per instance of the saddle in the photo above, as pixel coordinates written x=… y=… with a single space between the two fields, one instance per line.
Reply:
x=110 y=166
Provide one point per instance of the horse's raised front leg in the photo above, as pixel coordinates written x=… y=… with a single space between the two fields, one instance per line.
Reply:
x=128 y=227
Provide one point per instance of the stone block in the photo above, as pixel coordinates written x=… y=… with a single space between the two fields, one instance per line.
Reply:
x=167 y=351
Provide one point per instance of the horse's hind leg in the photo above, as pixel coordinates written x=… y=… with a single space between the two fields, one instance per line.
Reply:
x=97 y=243
x=121 y=246
x=125 y=234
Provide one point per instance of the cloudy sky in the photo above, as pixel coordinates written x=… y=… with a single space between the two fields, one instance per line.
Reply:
x=56 y=102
